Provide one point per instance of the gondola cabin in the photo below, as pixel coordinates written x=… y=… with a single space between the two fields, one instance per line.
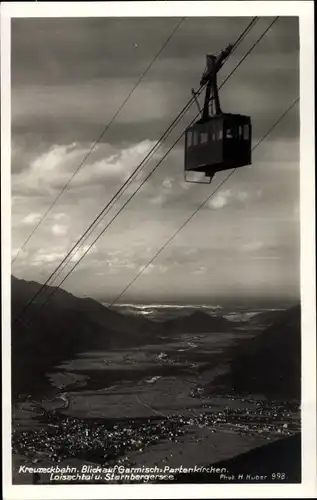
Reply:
x=218 y=141
x=221 y=143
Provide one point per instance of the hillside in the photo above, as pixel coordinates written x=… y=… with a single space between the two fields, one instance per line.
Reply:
x=265 y=318
x=281 y=455
x=269 y=363
x=198 y=322
x=22 y=291
x=65 y=326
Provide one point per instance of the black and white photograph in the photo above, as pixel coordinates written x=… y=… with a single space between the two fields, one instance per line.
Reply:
x=156 y=289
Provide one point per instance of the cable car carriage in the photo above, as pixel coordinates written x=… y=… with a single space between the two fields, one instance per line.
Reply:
x=218 y=141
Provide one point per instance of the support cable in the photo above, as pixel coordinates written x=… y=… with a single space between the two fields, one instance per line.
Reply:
x=201 y=206
x=92 y=148
x=239 y=40
x=160 y=162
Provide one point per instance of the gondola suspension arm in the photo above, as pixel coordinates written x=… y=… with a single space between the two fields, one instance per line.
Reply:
x=209 y=78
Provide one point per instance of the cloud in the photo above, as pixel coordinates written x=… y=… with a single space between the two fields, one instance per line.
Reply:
x=23 y=254
x=56 y=255
x=91 y=63
x=190 y=251
x=59 y=230
x=31 y=219
x=50 y=58
x=165 y=192
x=45 y=171
x=172 y=192
x=159 y=200
x=59 y=216
x=54 y=168
x=77 y=254
x=242 y=196
x=65 y=90
x=43 y=256
x=200 y=270
x=120 y=263
x=168 y=183
x=52 y=159
x=161 y=268
x=233 y=196
x=252 y=246
x=220 y=200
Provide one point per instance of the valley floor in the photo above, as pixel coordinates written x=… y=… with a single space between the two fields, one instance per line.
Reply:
x=145 y=406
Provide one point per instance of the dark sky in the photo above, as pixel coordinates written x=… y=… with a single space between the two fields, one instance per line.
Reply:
x=69 y=76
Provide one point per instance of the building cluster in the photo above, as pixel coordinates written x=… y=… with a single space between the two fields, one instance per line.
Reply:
x=107 y=442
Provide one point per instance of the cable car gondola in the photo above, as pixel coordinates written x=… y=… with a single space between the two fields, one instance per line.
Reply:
x=217 y=141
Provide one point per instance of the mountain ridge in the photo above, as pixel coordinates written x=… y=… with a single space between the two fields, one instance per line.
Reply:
x=269 y=363
x=67 y=325
x=63 y=327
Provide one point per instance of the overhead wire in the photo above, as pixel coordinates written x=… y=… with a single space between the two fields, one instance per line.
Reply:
x=151 y=172
x=166 y=154
x=94 y=145
x=110 y=203
x=175 y=121
x=134 y=174
x=159 y=163
x=209 y=197
x=103 y=212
